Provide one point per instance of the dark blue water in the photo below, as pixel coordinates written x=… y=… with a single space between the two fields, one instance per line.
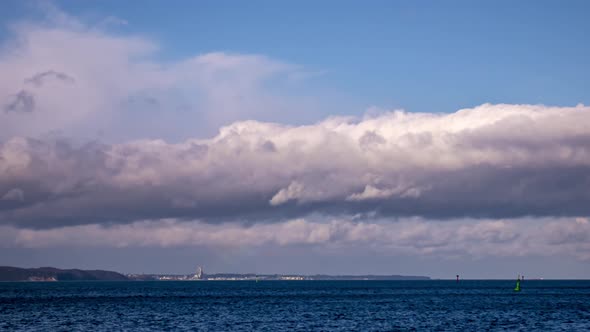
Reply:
x=296 y=305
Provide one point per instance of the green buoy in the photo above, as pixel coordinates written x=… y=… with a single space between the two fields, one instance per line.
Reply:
x=517 y=288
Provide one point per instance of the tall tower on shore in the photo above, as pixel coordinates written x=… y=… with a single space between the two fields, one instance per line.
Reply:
x=199 y=274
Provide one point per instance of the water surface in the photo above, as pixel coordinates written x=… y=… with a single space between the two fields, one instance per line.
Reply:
x=296 y=305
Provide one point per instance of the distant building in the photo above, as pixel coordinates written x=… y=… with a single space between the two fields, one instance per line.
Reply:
x=199 y=274
x=292 y=278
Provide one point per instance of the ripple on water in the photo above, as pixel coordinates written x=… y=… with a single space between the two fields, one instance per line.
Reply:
x=295 y=305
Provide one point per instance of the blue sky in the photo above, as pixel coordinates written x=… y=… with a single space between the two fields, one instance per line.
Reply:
x=410 y=137
x=423 y=56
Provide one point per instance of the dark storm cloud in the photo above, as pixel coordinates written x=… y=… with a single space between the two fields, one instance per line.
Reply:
x=488 y=162
x=22 y=102
x=40 y=78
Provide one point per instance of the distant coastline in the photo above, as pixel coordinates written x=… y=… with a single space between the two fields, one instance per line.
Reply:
x=10 y=273
x=260 y=277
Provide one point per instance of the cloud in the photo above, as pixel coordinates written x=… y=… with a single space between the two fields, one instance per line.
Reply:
x=492 y=161
x=371 y=192
x=112 y=21
x=78 y=79
x=408 y=236
x=295 y=190
x=14 y=194
x=83 y=109
x=23 y=101
x=39 y=78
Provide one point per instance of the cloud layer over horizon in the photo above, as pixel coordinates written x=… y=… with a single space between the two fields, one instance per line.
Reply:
x=107 y=142
x=407 y=236
x=492 y=161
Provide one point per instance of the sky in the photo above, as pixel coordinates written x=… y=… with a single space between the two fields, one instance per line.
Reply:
x=384 y=137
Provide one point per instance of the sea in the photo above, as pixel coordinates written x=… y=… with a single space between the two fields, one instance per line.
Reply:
x=434 y=305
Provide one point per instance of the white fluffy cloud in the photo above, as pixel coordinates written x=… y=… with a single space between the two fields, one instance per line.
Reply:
x=492 y=160
x=63 y=76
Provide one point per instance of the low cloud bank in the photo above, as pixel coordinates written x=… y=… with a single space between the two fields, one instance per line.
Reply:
x=456 y=238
